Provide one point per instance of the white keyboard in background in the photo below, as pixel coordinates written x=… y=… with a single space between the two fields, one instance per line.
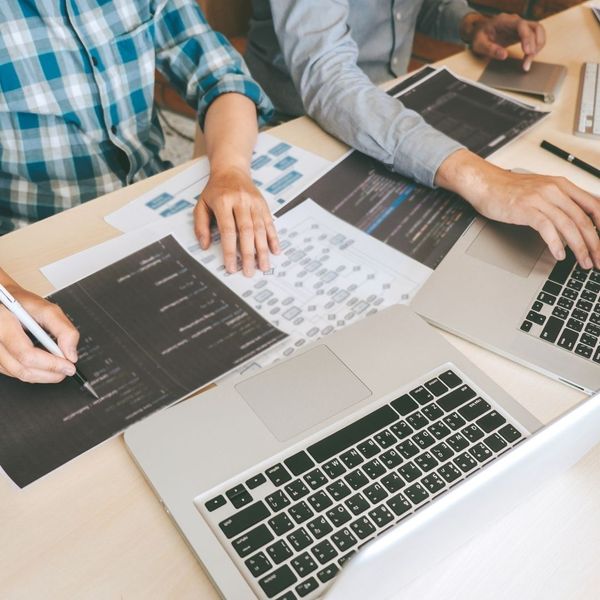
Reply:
x=587 y=117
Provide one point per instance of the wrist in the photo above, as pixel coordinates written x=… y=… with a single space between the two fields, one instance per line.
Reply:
x=469 y=25
x=465 y=174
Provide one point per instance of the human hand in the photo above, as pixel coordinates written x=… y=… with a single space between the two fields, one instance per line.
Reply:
x=19 y=357
x=488 y=36
x=240 y=210
x=554 y=206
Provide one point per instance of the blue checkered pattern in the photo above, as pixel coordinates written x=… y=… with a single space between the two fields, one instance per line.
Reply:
x=77 y=116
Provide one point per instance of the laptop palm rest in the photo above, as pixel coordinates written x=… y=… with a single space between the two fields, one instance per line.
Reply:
x=302 y=392
x=514 y=248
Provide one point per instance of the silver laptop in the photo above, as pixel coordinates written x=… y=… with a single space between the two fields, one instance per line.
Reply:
x=341 y=473
x=500 y=288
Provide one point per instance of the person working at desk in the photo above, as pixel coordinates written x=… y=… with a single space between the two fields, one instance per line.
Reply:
x=77 y=121
x=326 y=57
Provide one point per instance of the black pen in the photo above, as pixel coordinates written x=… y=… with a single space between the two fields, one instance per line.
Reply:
x=570 y=158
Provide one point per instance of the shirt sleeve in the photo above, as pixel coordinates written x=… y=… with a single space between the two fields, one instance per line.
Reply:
x=441 y=19
x=199 y=62
x=323 y=61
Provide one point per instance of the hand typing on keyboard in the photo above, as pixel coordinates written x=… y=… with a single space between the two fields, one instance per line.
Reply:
x=554 y=206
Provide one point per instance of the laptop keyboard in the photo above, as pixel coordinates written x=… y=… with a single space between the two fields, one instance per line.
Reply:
x=291 y=526
x=566 y=311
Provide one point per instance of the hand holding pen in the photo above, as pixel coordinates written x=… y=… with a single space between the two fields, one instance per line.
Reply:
x=18 y=356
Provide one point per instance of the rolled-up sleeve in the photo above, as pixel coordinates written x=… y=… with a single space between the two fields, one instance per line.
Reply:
x=199 y=62
x=323 y=61
x=441 y=19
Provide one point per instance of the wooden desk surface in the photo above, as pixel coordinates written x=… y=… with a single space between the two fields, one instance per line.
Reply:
x=93 y=529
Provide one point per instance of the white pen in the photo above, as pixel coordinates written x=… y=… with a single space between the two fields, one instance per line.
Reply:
x=39 y=334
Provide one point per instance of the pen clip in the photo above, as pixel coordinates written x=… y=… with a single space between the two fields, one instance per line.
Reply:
x=6 y=294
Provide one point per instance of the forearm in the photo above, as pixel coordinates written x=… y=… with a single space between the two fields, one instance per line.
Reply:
x=230 y=130
x=6 y=280
x=465 y=173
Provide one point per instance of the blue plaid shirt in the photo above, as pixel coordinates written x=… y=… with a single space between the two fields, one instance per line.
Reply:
x=77 y=117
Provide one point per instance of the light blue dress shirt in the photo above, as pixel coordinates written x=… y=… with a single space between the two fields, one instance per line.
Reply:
x=326 y=57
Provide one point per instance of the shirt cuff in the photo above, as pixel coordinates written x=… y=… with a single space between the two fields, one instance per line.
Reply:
x=420 y=153
x=236 y=83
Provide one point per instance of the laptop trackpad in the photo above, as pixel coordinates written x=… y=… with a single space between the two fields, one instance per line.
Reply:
x=300 y=393
x=513 y=248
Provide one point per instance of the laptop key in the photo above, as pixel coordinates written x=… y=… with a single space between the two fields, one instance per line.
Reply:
x=465 y=462
x=495 y=442
x=451 y=379
x=362 y=527
x=454 y=421
x=278 y=474
x=328 y=573
x=296 y=490
x=277 y=501
x=433 y=483
x=320 y=501
x=436 y=387
x=352 y=434
x=509 y=433
x=421 y=395
x=491 y=421
x=319 y=527
x=410 y=472
x=391 y=459
x=449 y=472
x=561 y=313
x=299 y=463
x=442 y=451
x=255 y=481
x=239 y=496
x=547 y=298
x=338 y=515
x=357 y=504
x=404 y=405
x=474 y=409
x=472 y=432
x=244 y=519
x=215 y=503
x=385 y=439
x=562 y=269
x=567 y=339
x=381 y=516
x=426 y=462
x=552 y=329
x=280 y=524
x=392 y=482
x=351 y=458
x=279 y=551
x=303 y=564
x=589 y=340
x=552 y=288
x=299 y=539
x=301 y=512
x=356 y=479
x=374 y=468
x=324 y=552
x=315 y=479
x=456 y=398
x=584 y=351
x=277 y=581
x=368 y=448
x=432 y=411
x=258 y=564
x=334 y=468
x=439 y=430
x=343 y=539
x=564 y=302
x=375 y=493
x=346 y=558
x=480 y=452
x=569 y=293
x=424 y=439
x=416 y=493
x=535 y=317
x=252 y=540
x=457 y=442
x=306 y=587
x=402 y=429
x=338 y=490
x=407 y=449
x=575 y=325
x=399 y=504
x=592 y=329
x=526 y=326
x=417 y=420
